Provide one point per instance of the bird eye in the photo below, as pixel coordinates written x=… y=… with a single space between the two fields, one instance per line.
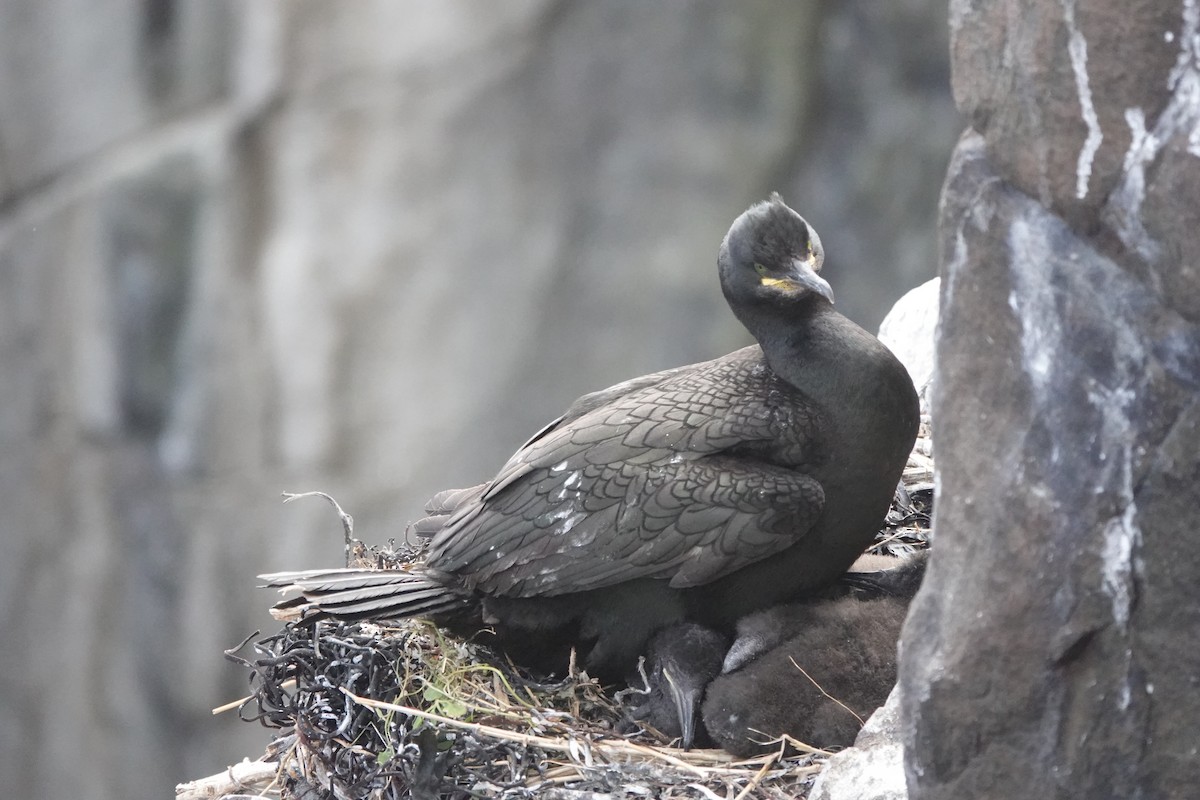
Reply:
x=760 y=269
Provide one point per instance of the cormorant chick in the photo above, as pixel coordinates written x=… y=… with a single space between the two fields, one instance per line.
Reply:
x=813 y=671
x=869 y=578
x=701 y=493
x=683 y=660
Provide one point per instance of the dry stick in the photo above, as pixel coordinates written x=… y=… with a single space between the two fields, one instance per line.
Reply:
x=231 y=705
x=758 y=776
x=888 y=539
x=784 y=739
x=240 y=776
x=704 y=790
x=861 y=721
x=899 y=534
x=802 y=747
x=290 y=683
x=347 y=520
x=624 y=748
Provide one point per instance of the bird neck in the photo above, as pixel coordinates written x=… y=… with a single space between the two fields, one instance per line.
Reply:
x=827 y=356
x=795 y=339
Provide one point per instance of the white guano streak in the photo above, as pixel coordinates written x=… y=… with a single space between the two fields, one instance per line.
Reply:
x=1184 y=80
x=1181 y=116
x=1077 y=49
x=1033 y=303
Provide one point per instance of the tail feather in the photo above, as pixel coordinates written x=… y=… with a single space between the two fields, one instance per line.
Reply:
x=364 y=599
x=355 y=594
x=330 y=580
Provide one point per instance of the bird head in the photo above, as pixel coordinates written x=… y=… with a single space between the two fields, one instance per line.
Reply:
x=771 y=256
x=683 y=660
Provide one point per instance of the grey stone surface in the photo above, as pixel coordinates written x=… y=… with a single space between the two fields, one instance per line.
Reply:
x=874 y=768
x=1051 y=651
x=1054 y=88
x=364 y=247
x=909 y=331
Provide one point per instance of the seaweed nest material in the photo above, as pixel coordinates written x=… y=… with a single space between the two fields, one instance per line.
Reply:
x=365 y=710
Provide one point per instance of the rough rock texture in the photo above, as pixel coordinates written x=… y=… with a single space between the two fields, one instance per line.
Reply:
x=874 y=768
x=365 y=247
x=1052 y=649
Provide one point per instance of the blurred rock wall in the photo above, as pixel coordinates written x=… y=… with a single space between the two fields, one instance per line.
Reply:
x=367 y=247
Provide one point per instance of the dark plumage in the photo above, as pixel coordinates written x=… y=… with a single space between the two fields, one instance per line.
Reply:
x=873 y=576
x=700 y=493
x=681 y=661
x=869 y=578
x=771 y=674
x=839 y=636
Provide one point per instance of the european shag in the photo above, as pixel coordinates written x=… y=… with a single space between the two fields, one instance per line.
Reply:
x=836 y=666
x=700 y=493
x=850 y=641
x=681 y=661
x=870 y=578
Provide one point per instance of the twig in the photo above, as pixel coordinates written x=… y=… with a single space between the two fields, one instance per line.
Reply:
x=880 y=543
x=704 y=790
x=861 y=721
x=231 y=705
x=629 y=691
x=559 y=745
x=248 y=774
x=784 y=741
x=290 y=683
x=758 y=776
x=347 y=520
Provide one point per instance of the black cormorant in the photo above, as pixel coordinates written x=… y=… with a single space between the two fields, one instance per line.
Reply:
x=819 y=685
x=701 y=493
x=870 y=578
x=851 y=638
x=682 y=660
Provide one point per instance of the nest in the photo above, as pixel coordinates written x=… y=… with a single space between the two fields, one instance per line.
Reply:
x=362 y=710
x=461 y=722
x=907 y=526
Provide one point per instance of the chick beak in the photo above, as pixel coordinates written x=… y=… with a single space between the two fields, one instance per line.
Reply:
x=686 y=701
